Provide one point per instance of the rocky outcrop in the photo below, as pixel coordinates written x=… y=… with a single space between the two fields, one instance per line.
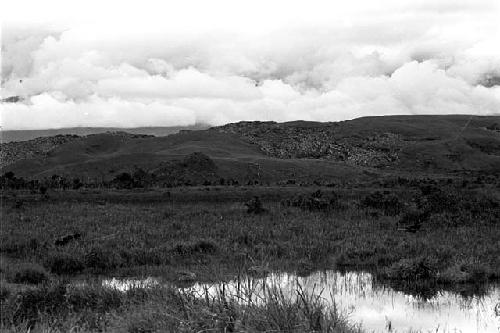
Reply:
x=320 y=141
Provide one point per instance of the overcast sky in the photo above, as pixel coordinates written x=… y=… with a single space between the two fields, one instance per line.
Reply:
x=160 y=63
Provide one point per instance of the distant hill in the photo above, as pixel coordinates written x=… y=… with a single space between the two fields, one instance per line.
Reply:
x=25 y=135
x=362 y=148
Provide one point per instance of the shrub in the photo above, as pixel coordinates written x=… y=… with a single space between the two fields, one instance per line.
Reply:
x=453 y=274
x=200 y=246
x=101 y=260
x=4 y=293
x=316 y=201
x=19 y=248
x=43 y=190
x=413 y=220
x=413 y=269
x=32 y=274
x=198 y=161
x=140 y=256
x=476 y=271
x=389 y=203
x=254 y=206
x=438 y=201
x=64 y=263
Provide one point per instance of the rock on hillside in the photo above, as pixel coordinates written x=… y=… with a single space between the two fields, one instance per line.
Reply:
x=318 y=140
x=452 y=142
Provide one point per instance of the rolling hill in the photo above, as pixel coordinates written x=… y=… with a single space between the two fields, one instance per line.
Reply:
x=362 y=148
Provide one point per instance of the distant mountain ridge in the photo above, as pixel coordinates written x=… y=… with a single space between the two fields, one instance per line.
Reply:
x=25 y=135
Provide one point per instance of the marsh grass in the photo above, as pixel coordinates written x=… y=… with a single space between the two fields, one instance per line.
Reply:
x=194 y=234
x=59 y=307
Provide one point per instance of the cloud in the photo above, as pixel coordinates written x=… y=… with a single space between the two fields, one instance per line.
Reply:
x=221 y=64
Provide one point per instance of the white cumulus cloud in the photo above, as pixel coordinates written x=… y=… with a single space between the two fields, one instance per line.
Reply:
x=142 y=64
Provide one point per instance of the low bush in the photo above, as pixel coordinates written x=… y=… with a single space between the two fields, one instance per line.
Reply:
x=477 y=272
x=255 y=206
x=469 y=271
x=64 y=263
x=4 y=293
x=203 y=246
x=139 y=256
x=315 y=201
x=17 y=248
x=386 y=202
x=100 y=260
x=412 y=269
x=31 y=274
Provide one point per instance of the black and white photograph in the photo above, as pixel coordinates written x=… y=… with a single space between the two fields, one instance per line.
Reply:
x=250 y=166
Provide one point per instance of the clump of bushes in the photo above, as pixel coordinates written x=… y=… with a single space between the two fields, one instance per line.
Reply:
x=201 y=246
x=100 y=260
x=467 y=271
x=19 y=248
x=415 y=217
x=255 y=206
x=139 y=256
x=438 y=201
x=4 y=293
x=415 y=269
x=199 y=162
x=389 y=203
x=64 y=263
x=413 y=220
x=31 y=274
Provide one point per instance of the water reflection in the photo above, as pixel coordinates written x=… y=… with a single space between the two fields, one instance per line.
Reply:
x=378 y=308
x=126 y=284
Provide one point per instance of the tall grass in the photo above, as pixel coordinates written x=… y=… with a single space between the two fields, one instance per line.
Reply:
x=59 y=307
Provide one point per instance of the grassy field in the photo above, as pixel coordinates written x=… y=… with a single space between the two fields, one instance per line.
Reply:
x=207 y=234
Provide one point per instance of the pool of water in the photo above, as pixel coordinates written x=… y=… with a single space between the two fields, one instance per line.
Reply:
x=376 y=307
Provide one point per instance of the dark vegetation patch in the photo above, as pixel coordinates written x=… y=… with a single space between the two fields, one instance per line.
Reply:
x=64 y=263
x=30 y=274
x=316 y=201
x=202 y=246
x=386 y=201
x=255 y=206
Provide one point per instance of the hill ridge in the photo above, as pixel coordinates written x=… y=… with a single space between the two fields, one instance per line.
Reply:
x=278 y=151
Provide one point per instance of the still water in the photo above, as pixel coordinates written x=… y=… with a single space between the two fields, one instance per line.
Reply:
x=376 y=307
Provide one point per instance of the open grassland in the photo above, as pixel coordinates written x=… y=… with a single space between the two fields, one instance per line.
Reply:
x=436 y=236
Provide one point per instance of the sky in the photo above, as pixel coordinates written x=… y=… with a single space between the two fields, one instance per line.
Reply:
x=165 y=63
